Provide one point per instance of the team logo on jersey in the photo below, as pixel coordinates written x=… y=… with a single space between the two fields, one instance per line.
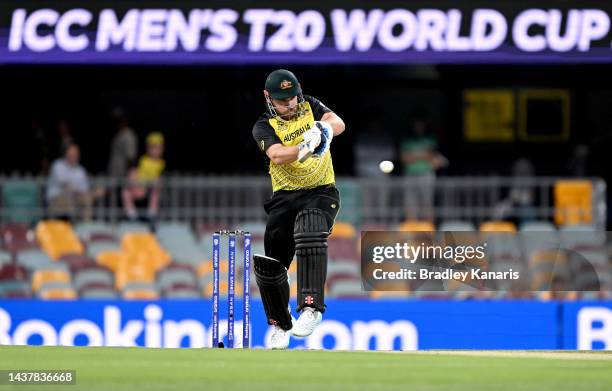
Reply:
x=285 y=84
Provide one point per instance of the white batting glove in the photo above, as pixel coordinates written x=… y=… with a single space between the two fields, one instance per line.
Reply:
x=327 y=134
x=312 y=139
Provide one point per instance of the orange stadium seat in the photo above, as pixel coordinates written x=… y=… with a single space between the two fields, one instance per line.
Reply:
x=110 y=259
x=573 y=202
x=140 y=294
x=57 y=237
x=130 y=272
x=343 y=230
x=417 y=226
x=497 y=226
x=41 y=277
x=389 y=294
x=144 y=247
x=55 y=294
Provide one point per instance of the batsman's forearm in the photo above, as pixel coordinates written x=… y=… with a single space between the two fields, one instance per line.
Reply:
x=335 y=122
x=280 y=154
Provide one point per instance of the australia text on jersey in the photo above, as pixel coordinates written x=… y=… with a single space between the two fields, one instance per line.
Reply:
x=293 y=135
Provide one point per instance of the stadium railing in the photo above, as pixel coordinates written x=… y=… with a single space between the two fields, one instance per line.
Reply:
x=365 y=201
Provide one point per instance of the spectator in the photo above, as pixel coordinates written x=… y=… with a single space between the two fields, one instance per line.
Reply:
x=579 y=163
x=519 y=206
x=421 y=160
x=143 y=189
x=124 y=149
x=68 y=189
x=65 y=137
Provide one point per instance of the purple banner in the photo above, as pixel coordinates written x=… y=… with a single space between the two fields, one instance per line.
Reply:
x=343 y=35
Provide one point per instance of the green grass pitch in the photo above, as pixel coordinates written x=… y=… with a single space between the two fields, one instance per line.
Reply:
x=145 y=369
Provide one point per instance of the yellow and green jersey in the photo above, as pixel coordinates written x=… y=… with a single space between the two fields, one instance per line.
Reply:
x=150 y=169
x=314 y=172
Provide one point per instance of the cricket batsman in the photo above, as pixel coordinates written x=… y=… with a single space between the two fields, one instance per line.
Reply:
x=295 y=136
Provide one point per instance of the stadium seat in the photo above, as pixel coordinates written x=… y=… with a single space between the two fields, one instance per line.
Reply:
x=182 y=294
x=58 y=294
x=18 y=237
x=57 y=284
x=389 y=295
x=456 y=225
x=537 y=226
x=92 y=275
x=503 y=245
x=102 y=237
x=15 y=289
x=86 y=231
x=13 y=272
x=34 y=259
x=589 y=276
x=416 y=226
x=132 y=227
x=343 y=230
x=345 y=288
x=343 y=248
x=97 y=293
x=93 y=249
x=582 y=237
x=573 y=202
x=16 y=231
x=40 y=278
x=546 y=266
x=343 y=267
x=189 y=256
x=140 y=290
x=143 y=247
x=539 y=235
x=350 y=194
x=497 y=226
x=95 y=285
x=111 y=259
x=140 y=294
x=77 y=261
x=173 y=275
x=130 y=272
x=21 y=201
x=168 y=227
x=56 y=238
x=5 y=255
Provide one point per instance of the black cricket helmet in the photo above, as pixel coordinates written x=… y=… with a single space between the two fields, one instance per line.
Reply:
x=282 y=84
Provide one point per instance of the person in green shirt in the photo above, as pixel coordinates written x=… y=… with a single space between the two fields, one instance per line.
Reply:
x=420 y=160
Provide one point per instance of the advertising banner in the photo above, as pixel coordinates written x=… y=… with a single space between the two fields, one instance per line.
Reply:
x=347 y=324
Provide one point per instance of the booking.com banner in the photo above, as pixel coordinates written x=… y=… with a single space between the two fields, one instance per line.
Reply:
x=347 y=325
x=189 y=32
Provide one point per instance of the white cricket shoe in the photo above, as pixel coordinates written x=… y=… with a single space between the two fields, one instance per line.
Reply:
x=280 y=338
x=307 y=322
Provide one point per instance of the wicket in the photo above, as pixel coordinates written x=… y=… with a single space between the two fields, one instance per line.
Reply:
x=231 y=287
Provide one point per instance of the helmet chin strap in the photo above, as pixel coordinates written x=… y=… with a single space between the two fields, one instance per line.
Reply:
x=298 y=113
